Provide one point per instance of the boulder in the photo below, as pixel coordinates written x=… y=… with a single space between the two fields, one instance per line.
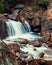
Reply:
x=46 y=36
x=36 y=44
x=23 y=41
x=13 y=16
x=49 y=13
x=16 y=11
x=14 y=47
x=19 y=6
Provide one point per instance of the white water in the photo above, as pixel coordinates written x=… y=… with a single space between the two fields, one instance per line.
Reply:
x=17 y=30
x=28 y=26
x=34 y=53
x=10 y=29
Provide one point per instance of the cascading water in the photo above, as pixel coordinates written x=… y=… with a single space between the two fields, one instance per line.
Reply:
x=28 y=26
x=10 y=29
x=17 y=30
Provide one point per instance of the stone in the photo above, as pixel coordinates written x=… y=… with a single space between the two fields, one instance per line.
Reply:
x=19 y=6
x=49 y=13
x=16 y=11
x=33 y=62
x=36 y=44
x=50 y=37
x=48 y=51
x=13 y=16
x=50 y=45
x=46 y=36
x=14 y=47
x=23 y=41
x=41 y=55
x=23 y=63
x=3 y=31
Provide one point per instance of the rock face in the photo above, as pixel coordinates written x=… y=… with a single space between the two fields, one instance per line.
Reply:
x=3 y=31
x=46 y=36
x=49 y=13
x=28 y=15
x=14 y=47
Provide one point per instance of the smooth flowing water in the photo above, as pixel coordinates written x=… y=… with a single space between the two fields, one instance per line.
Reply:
x=17 y=30
x=28 y=26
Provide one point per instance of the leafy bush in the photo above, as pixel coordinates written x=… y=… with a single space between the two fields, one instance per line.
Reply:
x=40 y=3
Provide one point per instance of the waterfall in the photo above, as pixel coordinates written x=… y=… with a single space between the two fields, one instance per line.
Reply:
x=17 y=30
x=28 y=26
x=10 y=29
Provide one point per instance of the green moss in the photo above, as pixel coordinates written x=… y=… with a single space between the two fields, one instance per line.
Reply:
x=1 y=6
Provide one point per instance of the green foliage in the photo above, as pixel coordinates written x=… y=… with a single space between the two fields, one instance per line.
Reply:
x=37 y=2
x=1 y=6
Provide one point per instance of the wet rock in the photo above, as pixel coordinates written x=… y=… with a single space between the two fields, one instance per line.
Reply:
x=41 y=61
x=29 y=58
x=13 y=47
x=16 y=11
x=27 y=13
x=50 y=45
x=36 y=44
x=49 y=51
x=23 y=63
x=41 y=55
x=23 y=41
x=46 y=36
x=33 y=62
x=19 y=6
x=51 y=39
x=49 y=14
x=3 y=31
x=48 y=63
x=13 y=16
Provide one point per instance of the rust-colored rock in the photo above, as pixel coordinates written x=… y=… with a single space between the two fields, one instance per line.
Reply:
x=3 y=31
x=23 y=41
x=33 y=62
x=14 y=47
x=36 y=43
x=23 y=63
x=41 y=55
x=49 y=13
x=46 y=36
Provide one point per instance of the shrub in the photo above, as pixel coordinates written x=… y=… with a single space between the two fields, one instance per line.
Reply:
x=40 y=4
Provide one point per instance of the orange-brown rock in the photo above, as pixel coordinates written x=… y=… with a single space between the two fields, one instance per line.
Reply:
x=23 y=41
x=46 y=36
x=49 y=13
x=13 y=47
x=41 y=55
x=36 y=43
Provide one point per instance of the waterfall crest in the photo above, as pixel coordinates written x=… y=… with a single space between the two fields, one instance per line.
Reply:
x=17 y=30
